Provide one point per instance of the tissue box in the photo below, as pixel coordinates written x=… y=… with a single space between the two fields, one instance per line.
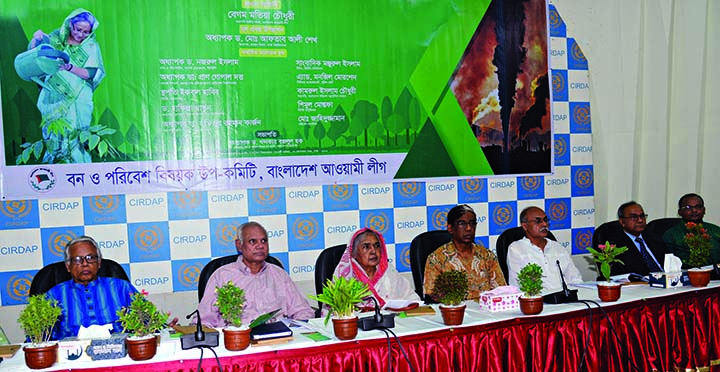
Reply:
x=669 y=280
x=502 y=302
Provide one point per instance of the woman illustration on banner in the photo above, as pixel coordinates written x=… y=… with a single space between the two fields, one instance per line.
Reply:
x=366 y=260
x=65 y=100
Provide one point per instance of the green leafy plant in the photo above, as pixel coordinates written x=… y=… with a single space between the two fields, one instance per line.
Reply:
x=530 y=280
x=230 y=303
x=142 y=317
x=38 y=318
x=606 y=255
x=341 y=295
x=450 y=287
x=64 y=141
x=698 y=240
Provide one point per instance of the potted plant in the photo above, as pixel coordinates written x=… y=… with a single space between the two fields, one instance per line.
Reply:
x=37 y=319
x=698 y=240
x=531 y=284
x=140 y=321
x=231 y=304
x=605 y=256
x=342 y=295
x=450 y=289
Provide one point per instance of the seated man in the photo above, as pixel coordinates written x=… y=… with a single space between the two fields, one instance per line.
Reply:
x=691 y=208
x=267 y=287
x=536 y=248
x=461 y=253
x=646 y=251
x=88 y=299
x=366 y=260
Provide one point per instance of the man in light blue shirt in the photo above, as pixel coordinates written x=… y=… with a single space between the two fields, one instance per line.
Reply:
x=87 y=299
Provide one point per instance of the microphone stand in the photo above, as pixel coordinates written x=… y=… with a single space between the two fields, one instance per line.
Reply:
x=564 y=296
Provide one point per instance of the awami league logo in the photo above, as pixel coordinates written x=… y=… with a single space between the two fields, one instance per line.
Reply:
x=42 y=179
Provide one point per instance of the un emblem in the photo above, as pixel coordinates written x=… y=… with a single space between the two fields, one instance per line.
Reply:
x=560 y=146
x=530 y=183
x=104 y=204
x=439 y=218
x=148 y=238
x=583 y=239
x=584 y=178
x=266 y=196
x=377 y=221
x=188 y=199
x=581 y=114
x=57 y=241
x=226 y=233
x=409 y=189
x=558 y=210
x=405 y=256
x=472 y=186
x=558 y=83
x=340 y=192
x=305 y=228
x=16 y=209
x=188 y=274
x=503 y=215
x=577 y=53
x=18 y=287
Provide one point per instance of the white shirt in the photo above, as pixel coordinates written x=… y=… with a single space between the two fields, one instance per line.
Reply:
x=523 y=252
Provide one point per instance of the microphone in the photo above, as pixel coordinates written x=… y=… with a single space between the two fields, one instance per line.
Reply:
x=378 y=320
x=198 y=339
x=564 y=296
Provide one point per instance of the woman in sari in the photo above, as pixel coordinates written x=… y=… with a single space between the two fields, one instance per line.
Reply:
x=366 y=260
x=65 y=100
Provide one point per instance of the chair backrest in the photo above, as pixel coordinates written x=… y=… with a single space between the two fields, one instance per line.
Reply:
x=660 y=225
x=602 y=234
x=420 y=248
x=325 y=266
x=56 y=273
x=215 y=264
x=503 y=242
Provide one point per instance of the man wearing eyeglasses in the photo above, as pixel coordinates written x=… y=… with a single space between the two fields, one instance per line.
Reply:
x=88 y=299
x=646 y=250
x=536 y=248
x=691 y=208
x=462 y=253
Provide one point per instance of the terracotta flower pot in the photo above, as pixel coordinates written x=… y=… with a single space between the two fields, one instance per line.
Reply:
x=699 y=277
x=236 y=339
x=345 y=329
x=609 y=292
x=453 y=315
x=531 y=305
x=141 y=348
x=38 y=357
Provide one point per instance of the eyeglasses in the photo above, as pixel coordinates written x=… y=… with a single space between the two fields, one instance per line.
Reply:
x=462 y=224
x=636 y=217
x=77 y=260
x=698 y=207
x=538 y=220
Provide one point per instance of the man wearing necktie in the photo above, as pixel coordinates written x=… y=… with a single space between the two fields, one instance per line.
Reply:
x=646 y=250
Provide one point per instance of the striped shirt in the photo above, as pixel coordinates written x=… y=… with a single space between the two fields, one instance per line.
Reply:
x=96 y=303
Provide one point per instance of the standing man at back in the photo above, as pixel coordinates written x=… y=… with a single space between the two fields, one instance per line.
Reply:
x=691 y=208
x=462 y=253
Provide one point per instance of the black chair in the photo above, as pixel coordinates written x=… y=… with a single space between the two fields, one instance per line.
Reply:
x=503 y=242
x=215 y=264
x=660 y=225
x=325 y=266
x=420 y=248
x=602 y=234
x=56 y=273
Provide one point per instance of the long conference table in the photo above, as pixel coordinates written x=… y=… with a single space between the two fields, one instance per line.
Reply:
x=648 y=329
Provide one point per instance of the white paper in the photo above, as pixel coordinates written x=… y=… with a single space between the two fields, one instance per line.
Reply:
x=400 y=304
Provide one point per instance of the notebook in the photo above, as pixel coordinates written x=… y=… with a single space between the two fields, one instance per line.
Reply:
x=267 y=331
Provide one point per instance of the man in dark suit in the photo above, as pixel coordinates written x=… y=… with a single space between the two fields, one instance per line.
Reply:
x=646 y=250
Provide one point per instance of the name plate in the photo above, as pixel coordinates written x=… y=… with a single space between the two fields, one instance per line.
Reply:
x=108 y=348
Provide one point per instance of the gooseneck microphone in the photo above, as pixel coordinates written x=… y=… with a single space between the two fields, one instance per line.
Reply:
x=378 y=320
x=564 y=296
x=199 y=333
